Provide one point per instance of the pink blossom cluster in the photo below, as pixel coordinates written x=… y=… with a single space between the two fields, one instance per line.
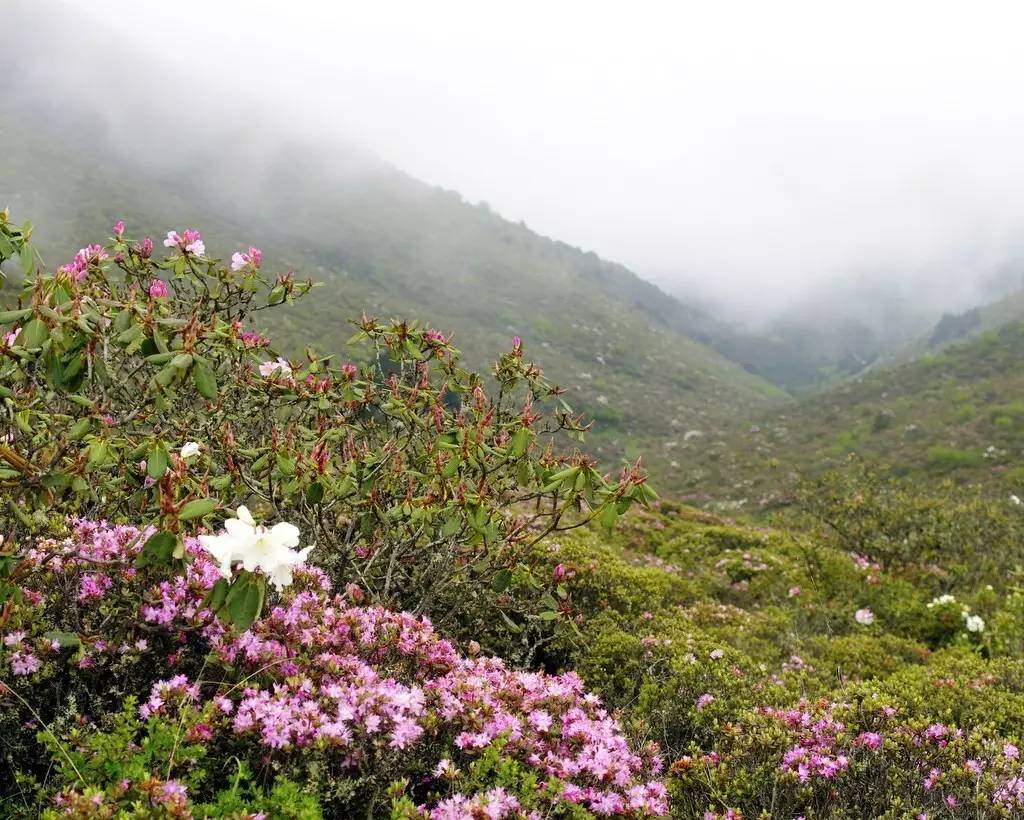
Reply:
x=78 y=268
x=953 y=766
x=161 y=798
x=815 y=753
x=253 y=257
x=190 y=241
x=364 y=683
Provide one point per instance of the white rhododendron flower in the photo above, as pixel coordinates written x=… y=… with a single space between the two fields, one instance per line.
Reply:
x=189 y=449
x=267 y=368
x=974 y=623
x=272 y=551
x=865 y=617
x=942 y=600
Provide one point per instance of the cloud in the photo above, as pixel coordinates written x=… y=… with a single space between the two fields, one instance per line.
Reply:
x=751 y=154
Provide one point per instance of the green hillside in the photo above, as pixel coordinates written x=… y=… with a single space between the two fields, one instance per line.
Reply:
x=956 y=327
x=957 y=413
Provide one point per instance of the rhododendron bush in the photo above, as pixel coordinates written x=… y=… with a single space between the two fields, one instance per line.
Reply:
x=370 y=704
x=134 y=388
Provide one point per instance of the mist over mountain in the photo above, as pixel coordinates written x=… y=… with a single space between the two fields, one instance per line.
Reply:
x=380 y=240
x=732 y=199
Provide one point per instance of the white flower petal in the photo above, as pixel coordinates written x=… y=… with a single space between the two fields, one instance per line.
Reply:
x=285 y=534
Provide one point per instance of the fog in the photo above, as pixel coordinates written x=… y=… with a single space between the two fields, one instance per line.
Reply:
x=757 y=157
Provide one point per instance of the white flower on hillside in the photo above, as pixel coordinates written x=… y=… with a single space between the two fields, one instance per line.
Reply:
x=267 y=368
x=942 y=600
x=974 y=623
x=865 y=617
x=258 y=548
x=1015 y=500
x=189 y=449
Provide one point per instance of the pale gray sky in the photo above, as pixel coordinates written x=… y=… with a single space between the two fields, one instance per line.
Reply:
x=768 y=146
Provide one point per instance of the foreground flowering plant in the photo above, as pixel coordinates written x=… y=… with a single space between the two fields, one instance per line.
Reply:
x=269 y=550
x=135 y=387
x=814 y=756
x=373 y=694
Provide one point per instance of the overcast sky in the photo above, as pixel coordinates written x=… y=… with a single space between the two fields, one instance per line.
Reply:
x=774 y=146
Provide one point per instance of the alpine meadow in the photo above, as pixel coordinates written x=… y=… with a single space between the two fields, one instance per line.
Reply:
x=329 y=489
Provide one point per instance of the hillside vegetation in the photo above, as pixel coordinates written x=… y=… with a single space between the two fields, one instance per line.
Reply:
x=954 y=414
x=445 y=614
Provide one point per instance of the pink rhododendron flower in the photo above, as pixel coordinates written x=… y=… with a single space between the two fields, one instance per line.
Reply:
x=24 y=663
x=190 y=241
x=268 y=369
x=158 y=289
x=119 y=228
x=865 y=617
x=253 y=257
x=251 y=338
x=870 y=740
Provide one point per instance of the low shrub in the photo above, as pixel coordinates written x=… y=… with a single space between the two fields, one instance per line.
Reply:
x=361 y=705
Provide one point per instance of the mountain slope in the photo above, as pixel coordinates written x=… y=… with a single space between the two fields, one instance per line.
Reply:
x=957 y=413
x=956 y=327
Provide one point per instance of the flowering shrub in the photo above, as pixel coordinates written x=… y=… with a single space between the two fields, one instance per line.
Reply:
x=134 y=389
x=318 y=689
x=902 y=526
x=851 y=759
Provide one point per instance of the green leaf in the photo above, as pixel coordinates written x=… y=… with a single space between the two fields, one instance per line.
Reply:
x=8 y=317
x=517 y=628
x=216 y=597
x=245 y=600
x=520 y=441
x=548 y=615
x=156 y=461
x=97 y=454
x=315 y=493
x=33 y=334
x=158 y=549
x=205 y=381
x=413 y=351
x=197 y=508
x=182 y=361
x=131 y=336
x=608 y=516
x=6 y=248
x=452 y=467
x=78 y=431
x=501 y=580
x=27 y=258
